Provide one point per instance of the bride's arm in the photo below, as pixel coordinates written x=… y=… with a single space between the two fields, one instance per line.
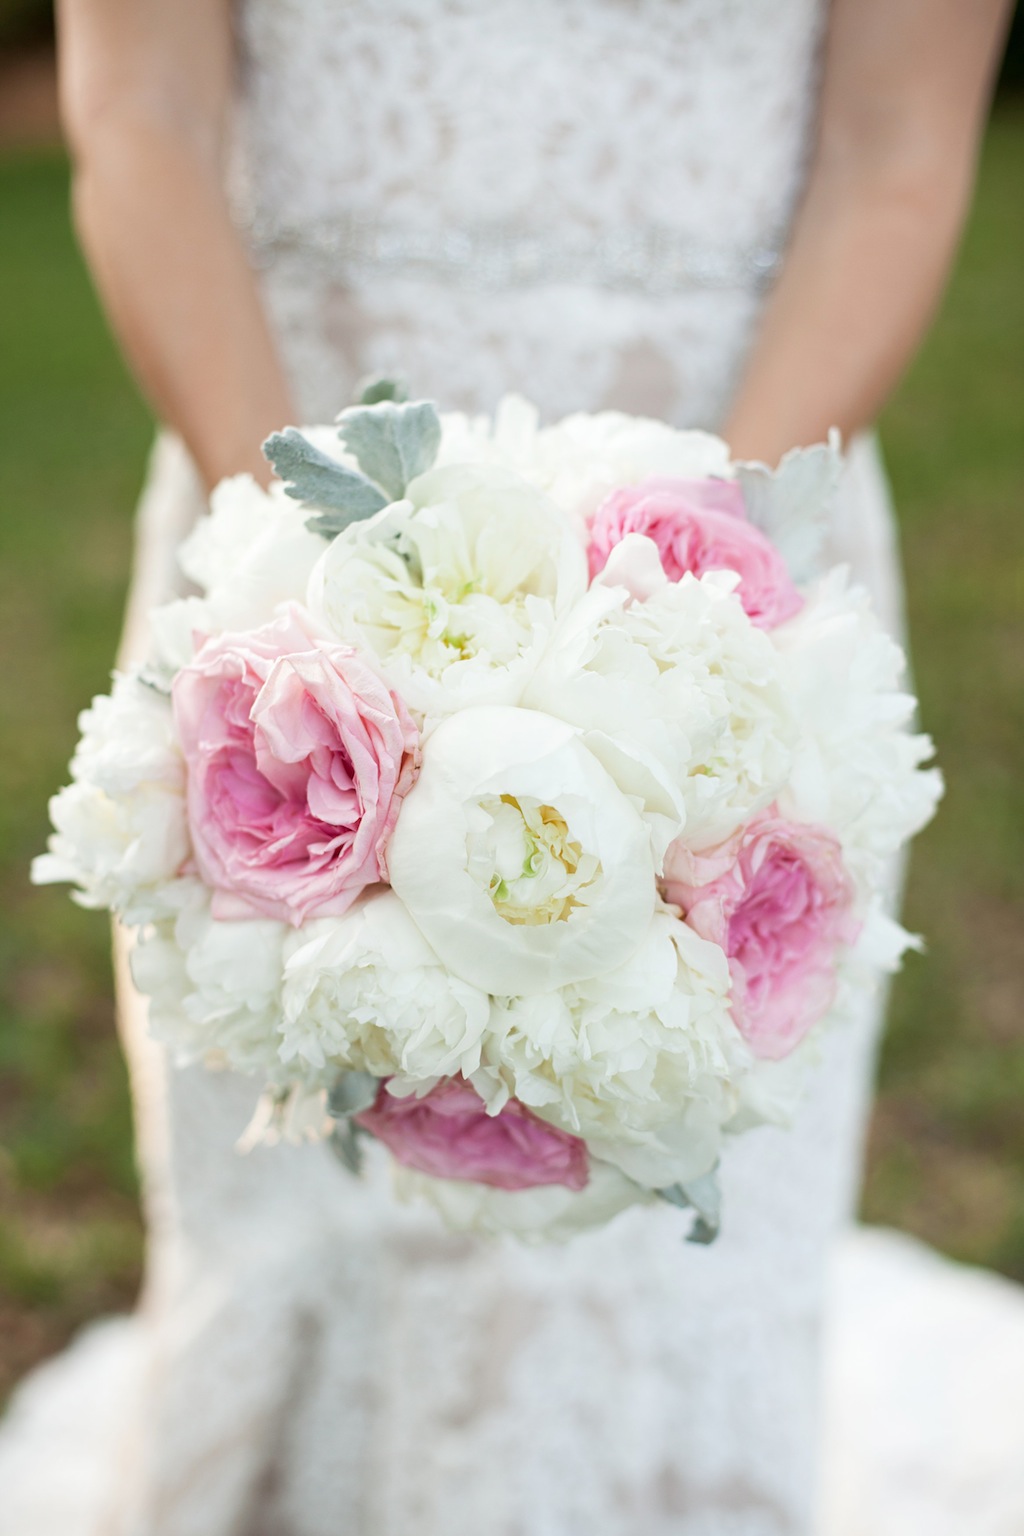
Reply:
x=145 y=89
x=904 y=98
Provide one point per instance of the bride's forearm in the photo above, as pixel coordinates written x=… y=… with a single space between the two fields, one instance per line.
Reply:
x=181 y=297
x=144 y=121
x=859 y=285
x=903 y=102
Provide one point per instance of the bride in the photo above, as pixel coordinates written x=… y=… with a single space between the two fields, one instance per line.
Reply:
x=732 y=215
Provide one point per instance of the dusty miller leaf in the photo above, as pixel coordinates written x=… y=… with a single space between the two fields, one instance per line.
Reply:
x=350 y=1093
x=392 y=443
x=344 y=1143
x=702 y=1196
x=377 y=387
x=151 y=678
x=792 y=504
x=340 y=495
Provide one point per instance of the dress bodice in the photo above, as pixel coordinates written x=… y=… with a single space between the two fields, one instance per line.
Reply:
x=583 y=199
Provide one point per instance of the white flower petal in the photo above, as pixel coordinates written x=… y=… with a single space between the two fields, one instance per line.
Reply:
x=484 y=754
x=365 y=991
x=644 y=1062
x=120 y=829
x=454 y=590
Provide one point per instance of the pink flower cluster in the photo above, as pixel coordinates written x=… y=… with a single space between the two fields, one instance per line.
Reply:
x=698 y=526
x=777 y=899
x=298 y=757
x=449 y=1134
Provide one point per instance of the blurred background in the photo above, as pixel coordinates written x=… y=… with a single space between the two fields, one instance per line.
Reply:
x=947 y=1147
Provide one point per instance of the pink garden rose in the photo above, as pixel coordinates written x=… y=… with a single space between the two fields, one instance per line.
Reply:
x=776 y=897
x=449 y=1134
x=298 y=757
x=698 y=526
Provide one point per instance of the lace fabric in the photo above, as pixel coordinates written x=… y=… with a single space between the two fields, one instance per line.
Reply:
x=582 y=201
x=555 y=117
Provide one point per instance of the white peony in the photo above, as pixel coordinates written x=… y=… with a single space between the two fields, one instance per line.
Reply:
x=365 y=991
x=251 y=553
x=643 y=1062
x=174 y=629
x=858 y=766
x=632 y=714
x=158 y=971
x=698 y=630
x=520 y=860
x=677 y=693
x=121 y=832
x=214 y=986
x=583 y=457
x=577 y=461
x=454 y=590
x=508 y=438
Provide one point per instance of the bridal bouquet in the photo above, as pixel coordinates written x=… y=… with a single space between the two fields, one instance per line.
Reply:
x=520 y=797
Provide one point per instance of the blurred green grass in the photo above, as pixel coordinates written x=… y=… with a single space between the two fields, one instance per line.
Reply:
x=73 y=438
x=947 y=1150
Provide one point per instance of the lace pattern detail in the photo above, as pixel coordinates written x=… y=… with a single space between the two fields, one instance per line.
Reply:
x=546 y=116
x=581 y=199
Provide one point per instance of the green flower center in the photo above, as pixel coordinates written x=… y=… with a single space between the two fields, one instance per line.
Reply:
x=522 y=853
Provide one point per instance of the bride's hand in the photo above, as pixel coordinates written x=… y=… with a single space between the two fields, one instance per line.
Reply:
x=145 y=92
x=904 y=100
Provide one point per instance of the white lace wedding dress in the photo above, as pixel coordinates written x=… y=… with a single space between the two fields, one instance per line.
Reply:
x=583 y=200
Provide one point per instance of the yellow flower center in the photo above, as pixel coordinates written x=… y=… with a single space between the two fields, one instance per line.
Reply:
x=522 y=853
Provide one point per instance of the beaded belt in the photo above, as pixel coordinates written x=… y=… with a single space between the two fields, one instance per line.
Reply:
x=649 y=259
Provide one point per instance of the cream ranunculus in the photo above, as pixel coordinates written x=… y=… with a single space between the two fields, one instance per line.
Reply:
x=520 y=860
x=455 y=590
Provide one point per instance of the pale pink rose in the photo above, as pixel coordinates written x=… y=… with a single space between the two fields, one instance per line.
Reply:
x=776 y=897
x=698 y=526
x=298 y=757
x=449 y=1134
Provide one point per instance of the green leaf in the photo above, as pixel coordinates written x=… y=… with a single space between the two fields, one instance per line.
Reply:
x=377 y=387
x=341 y=495
x=350 y=1093
x=792 y=504
x=704 y=1197
x=392 y=443
x=344 y=1143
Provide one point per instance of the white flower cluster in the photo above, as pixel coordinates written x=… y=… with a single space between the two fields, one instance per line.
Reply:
x=570 y=731
x=580 y=459
x=120 y=831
